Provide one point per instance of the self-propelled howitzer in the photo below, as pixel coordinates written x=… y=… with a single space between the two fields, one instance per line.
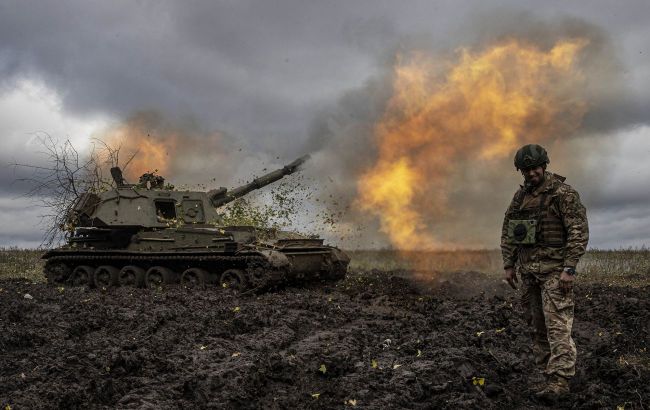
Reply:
x=149 y=234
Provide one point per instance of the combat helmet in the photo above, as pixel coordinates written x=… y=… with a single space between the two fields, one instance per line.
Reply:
x=530 y=156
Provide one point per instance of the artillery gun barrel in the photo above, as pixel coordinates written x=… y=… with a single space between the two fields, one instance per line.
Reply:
x=223 y=196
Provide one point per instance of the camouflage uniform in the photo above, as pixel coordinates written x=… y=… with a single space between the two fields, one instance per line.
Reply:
x=562 y=235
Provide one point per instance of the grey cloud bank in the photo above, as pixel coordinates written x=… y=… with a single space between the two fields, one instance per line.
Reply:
x=283 y=78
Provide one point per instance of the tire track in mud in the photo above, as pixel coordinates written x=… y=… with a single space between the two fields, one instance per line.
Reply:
x=375 y=340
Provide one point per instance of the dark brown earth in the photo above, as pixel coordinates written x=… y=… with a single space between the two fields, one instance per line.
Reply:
x=135 y=348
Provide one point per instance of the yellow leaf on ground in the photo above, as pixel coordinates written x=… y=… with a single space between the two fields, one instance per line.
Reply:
x=479 y=333
x=322 y=368
x=396 y=366
x=374 y=364
x=478 y=381
x=236 y=309
x=419 y=353
x=315 y=395
x=201 y=347
x=352 y=402
x=500 y=330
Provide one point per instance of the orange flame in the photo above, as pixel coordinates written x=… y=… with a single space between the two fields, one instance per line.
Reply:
x=443 y=114
x=153 y=151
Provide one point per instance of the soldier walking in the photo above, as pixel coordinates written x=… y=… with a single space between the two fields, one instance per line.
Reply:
x=544 y=234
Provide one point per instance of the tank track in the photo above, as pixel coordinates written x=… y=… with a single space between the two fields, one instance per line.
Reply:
x=238 y=272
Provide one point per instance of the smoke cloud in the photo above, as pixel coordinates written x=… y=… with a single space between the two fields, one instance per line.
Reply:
x=220 y=92
x=461 y=190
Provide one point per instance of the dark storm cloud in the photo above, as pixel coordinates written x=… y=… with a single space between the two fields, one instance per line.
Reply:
x=16 y=160
x=284 y=78
x=257 y=69
x=634 y=194
x=621 y=227
x=20 y=221
x=10 y=186
x=254 y=68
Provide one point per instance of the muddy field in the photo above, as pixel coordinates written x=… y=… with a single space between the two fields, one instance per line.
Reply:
x=375 y=340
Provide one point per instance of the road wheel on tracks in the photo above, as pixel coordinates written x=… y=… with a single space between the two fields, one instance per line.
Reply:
x=82 y=276
x=195 y=278
x=158 y=276
x=57 y=273
x=106 y=276
x=131 y=275
x=234 y=279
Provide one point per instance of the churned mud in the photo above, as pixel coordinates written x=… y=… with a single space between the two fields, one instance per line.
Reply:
x=376 y=340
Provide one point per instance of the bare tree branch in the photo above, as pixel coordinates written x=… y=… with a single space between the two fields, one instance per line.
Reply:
x=67 y=173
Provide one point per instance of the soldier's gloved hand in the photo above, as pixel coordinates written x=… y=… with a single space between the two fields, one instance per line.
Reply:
x=566 y=282
x=511 y=277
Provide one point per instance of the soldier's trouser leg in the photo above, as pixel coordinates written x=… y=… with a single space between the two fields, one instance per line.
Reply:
x=558 y=314
x=531 y=301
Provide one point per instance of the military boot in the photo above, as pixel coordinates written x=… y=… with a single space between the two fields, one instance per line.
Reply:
x=556 y=387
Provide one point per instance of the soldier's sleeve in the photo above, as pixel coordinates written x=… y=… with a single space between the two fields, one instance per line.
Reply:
x=508 y=250
x=574 y=218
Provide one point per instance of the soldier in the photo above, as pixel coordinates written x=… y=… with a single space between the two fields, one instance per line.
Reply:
x=544 y=234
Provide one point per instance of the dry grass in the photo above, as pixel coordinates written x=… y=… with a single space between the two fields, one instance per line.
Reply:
x=21 y=263
x=629 y=267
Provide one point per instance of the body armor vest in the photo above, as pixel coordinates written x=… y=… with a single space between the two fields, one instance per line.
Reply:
x=538 y=223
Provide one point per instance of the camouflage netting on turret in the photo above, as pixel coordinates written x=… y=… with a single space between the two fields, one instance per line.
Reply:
x=151 y=180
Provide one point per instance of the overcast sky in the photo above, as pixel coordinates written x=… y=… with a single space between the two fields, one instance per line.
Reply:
x=265 y=74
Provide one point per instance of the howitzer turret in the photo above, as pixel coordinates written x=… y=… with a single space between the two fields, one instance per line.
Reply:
x=222 y=196
x=149 y=234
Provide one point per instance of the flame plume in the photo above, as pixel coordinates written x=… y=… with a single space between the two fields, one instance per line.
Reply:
x=153 y=147
x=445 y=115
